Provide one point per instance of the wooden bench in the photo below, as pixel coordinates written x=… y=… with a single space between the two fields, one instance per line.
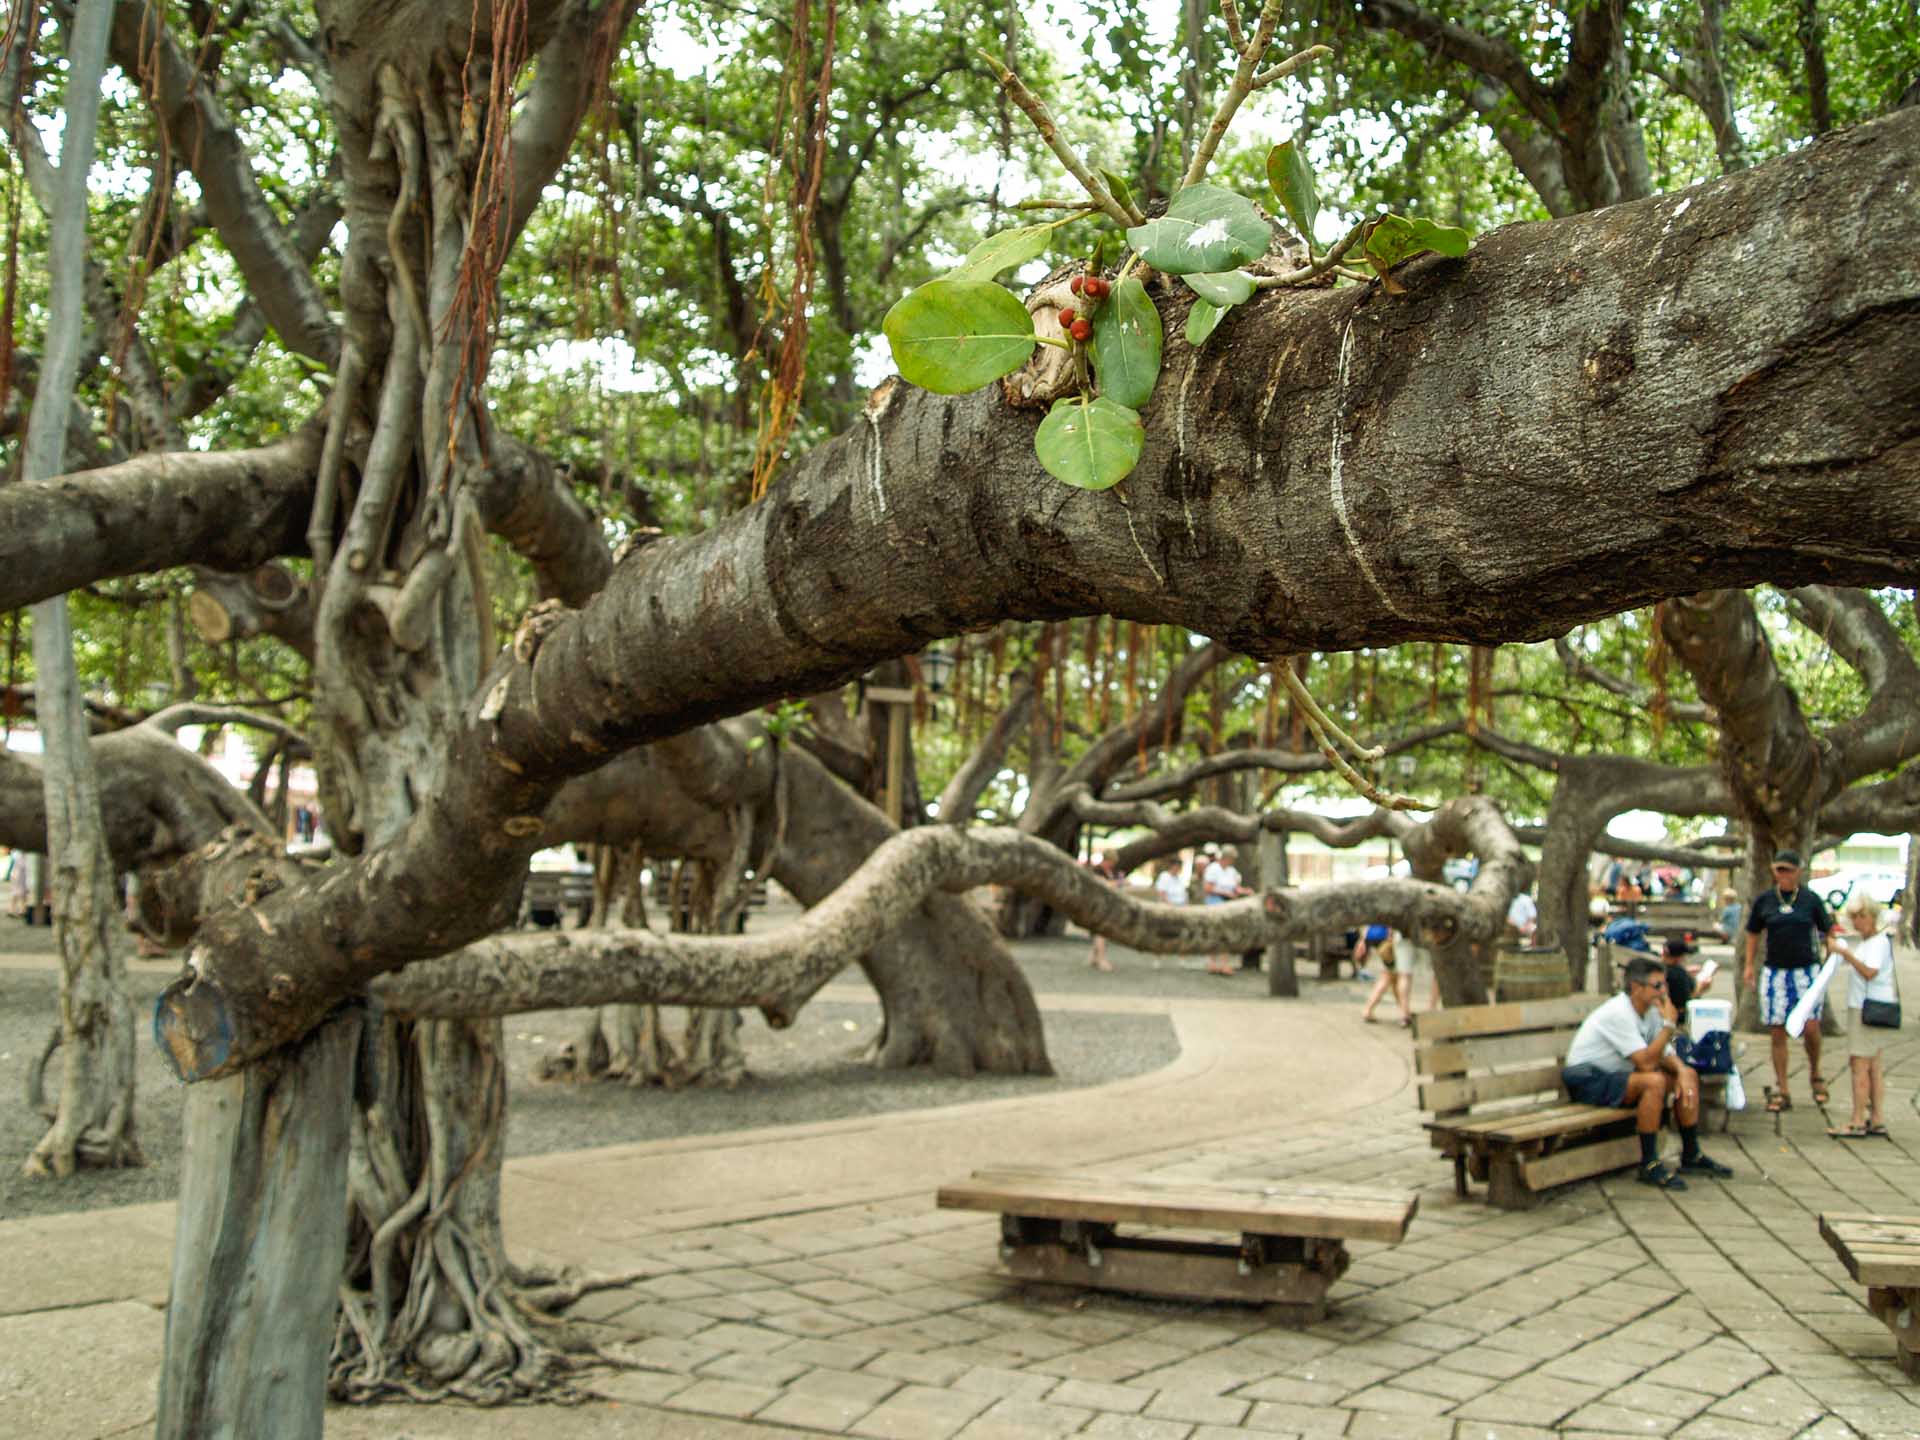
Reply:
x=1882 y=1252
x=1500 y=1112
x=1059 y=1226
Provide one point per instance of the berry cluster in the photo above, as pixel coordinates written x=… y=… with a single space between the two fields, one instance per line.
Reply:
x=1079 y=324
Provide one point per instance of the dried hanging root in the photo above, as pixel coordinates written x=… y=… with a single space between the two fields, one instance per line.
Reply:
x=1330 y=737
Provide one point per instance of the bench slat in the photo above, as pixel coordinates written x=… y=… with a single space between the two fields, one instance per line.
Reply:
x=1580 y=1162
x=1469 y=1090
x=1308 y=1211
x=1876 y=1249
x=1460 y=1056
x=1563 y=1011
x=1569 y=1121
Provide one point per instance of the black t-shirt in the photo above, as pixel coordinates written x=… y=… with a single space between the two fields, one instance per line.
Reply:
x=1679 y=987
x=1790 y=927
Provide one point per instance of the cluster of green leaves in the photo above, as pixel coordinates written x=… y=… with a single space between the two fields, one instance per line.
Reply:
x=964 y=330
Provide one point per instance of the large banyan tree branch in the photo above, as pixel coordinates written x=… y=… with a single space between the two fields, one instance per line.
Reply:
x=158 y=799
x=777 y=970
x=569 y=76
x=1742 y=441
x=202 y=133
x=228 y=510
x=1286 y=762
x=1886 y=732
x=1175 y=830
x=1581 y=668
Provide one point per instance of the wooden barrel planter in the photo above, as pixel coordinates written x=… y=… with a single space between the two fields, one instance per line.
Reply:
x=1530 y=975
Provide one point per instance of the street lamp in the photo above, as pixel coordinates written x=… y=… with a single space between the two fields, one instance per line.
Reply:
x=936 y=665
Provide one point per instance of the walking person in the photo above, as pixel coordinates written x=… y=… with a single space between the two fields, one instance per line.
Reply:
x=1220 y=884
x=1796 y=926
x=1109 y=872
x=1869 y=957
x=1396 y=956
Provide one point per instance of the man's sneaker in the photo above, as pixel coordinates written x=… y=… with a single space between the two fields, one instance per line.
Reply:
x=1705 y=1164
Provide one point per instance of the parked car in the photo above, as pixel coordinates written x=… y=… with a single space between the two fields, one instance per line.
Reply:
x=1838 y=888
x=558 y=881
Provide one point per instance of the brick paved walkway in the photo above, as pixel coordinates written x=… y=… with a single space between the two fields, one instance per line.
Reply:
x=839 y=1301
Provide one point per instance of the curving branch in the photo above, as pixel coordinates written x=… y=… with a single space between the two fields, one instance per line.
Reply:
x=778 y=970
x=962 y=792
x=1580 y=668
x=202 y=133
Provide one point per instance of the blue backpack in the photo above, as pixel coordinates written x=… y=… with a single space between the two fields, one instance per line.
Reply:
x=1629 y=934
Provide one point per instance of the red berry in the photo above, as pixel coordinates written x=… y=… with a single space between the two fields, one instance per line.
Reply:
x=1075 y=283
x=1096 y=287
x=1066 y=317
x=1082 y=330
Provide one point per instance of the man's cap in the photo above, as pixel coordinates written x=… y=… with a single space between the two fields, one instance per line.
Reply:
x=1787 y=857
x=1681 y=945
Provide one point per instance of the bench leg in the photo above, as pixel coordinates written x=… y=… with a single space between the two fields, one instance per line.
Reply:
x=1460 y=1174
x=1505 y=1187
x=1899 y=1309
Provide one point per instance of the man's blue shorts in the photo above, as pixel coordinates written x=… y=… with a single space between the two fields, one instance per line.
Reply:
x=1595 y=1085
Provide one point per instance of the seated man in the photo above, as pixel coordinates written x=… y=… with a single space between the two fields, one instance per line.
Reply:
x=1621 y=1058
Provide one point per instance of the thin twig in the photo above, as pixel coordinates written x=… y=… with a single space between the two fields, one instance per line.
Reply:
x=1230 y=12
x=1325 y=729
x=1286 y=67
x=1042 y=119
x=1329 y=261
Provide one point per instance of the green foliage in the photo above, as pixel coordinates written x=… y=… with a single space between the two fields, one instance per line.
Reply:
x=1126 y=345
x=1003 y=251
x=1205 y=228
x=1291 y=177
x=1090 y=444
x=952 y=336
x=1202 y=320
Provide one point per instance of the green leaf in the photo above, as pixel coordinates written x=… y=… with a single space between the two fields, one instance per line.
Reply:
x=1091 y=444
x=1394 y=238
x=1126 y=345
x=1118 y=188
x=1201 y=321
x=952 y=336
x=1224 y=288
x=1206 y=228
x=1292 y=180
x=1006 y=250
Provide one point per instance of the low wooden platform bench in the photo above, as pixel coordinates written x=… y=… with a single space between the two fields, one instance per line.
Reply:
x=1882 y=1252
x=1062 y=1226
x=1500 y=1113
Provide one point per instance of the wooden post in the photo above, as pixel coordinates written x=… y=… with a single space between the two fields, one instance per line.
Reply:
x=893 y=793
x=261 y=1244
x=1281 y=977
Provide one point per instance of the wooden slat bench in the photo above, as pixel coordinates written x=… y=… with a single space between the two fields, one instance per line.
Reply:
x=1500 y=1112
x=1059 y=1226
x=1882 y=1252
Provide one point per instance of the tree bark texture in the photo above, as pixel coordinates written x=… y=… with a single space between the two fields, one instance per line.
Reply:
x=256 y=1261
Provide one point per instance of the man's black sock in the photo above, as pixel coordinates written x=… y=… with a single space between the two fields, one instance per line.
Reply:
x=1689 y=1142
x=1649 y=1148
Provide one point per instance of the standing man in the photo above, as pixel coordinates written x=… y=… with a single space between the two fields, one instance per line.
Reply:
x=1220 y=884
x=1622 y=1057
x=1796 y=926
x=1523 y=915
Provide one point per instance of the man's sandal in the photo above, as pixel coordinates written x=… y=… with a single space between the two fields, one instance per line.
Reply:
x=1777 y=1101
x=1820 y=1095
x=1659 y=1176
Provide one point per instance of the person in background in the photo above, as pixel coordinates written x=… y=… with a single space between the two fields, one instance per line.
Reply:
x=1107 y=871
x=1523 y=915
x=1732 y=912
x=1396 y=957
x=1869 y=958
x=1796 y=926
x=1220 y=884
x=1169 y=884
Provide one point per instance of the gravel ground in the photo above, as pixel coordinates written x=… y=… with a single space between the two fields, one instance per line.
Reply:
x=806 y=1073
